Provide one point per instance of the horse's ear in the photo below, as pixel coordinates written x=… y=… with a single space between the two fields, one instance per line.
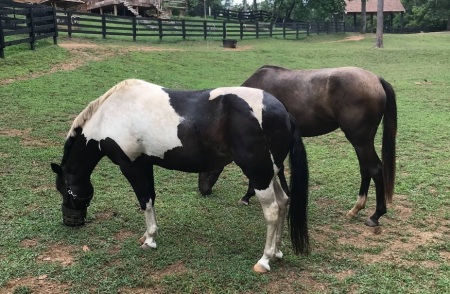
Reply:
x=56 y=169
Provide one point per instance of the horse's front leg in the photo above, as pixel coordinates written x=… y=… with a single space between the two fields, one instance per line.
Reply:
x=142 y=181
x=148 y=239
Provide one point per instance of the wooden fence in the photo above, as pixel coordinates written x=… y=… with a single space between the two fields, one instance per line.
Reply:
x=145 y=28
x=24 y=23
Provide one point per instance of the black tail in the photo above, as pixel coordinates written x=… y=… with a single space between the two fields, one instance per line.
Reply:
x=389 y=136
x=298 y=209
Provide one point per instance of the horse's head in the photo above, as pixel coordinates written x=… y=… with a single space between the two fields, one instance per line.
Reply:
x=76 y=194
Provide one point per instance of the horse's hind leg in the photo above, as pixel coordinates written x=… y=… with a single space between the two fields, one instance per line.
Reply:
x=370 y=168
x=274 y=202
x=251 y=192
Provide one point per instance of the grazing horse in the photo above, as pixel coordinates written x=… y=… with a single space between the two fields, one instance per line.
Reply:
x=322 y=100
x=137 y=125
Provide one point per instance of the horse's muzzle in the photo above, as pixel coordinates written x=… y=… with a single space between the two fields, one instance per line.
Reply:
x=73 y=218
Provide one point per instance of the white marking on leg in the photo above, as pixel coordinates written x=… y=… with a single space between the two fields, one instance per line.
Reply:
x=271 y=214
x=253 y=97
x=359 y=205
x=152 y=227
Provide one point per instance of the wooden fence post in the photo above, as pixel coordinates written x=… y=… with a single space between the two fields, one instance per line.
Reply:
x=2 y=41
x=103 y=26
x=134 y=23
x=160 y=29
x=307 y=28
x=257 y=30
x=296 y=29
x=55 y=23
x=270 y=29
x=241 y=29
x=183 y=28
x=69 y=24
x=284 y=30
x=205 y=29
x=224 y=30
x=32 y=33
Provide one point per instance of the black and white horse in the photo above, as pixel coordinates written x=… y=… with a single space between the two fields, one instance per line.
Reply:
x=137 y=125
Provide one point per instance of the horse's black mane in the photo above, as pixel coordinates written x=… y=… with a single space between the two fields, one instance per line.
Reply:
x=68 y=146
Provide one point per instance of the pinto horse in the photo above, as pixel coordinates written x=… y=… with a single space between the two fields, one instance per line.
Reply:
x=137 y=125
x=323 y=100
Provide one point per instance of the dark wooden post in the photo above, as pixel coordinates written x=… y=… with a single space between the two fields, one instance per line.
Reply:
x=354 y=21
x=270 y=29
x=103 y=26
x=335 y=23
x=32 y=33
x=257 y=30
x=401 y=21
x=69 y=24
x=228 y=15
x=183 y=28
x=2 y=41
x=296 y=30
x=224 y=30
x=205 y=30
x=160 y=29
x=134 y=28
x=55 y=32
x=241 y=29
x=284 y=30
x=307 y=28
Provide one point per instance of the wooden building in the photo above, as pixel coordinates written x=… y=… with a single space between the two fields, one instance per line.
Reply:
x=390 y=7
x=137 y=8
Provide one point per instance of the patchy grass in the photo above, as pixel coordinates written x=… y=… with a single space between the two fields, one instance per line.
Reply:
x=208 y=245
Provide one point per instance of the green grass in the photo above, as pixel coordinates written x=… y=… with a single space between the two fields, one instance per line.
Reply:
x=208 y=245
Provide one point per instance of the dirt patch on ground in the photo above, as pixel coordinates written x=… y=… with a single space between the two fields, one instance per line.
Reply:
x=25 y=136
x=38 y=285
x=58 y=253
x=396 y=237
x=349 y=38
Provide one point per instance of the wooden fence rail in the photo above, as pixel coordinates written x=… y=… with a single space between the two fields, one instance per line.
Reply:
x=109 y=25
x=22 y=23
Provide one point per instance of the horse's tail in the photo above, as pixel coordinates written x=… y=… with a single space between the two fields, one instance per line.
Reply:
x=388 y=145
x=298 y=208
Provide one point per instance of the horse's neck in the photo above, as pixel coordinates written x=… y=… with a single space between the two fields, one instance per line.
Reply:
x=83 y=157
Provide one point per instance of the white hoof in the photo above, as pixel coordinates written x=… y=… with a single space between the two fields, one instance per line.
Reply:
x=258 y=268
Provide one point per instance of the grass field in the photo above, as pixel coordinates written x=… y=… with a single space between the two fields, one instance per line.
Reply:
x=208 y=245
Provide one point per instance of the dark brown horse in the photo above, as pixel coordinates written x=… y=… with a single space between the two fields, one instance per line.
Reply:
x=323 y=100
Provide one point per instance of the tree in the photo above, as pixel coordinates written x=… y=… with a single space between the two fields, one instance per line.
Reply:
x=379 y=39
x=363 y=16
x=426 y=13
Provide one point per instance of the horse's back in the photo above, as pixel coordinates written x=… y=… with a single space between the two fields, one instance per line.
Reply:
x=323 y=100
x=191 y=131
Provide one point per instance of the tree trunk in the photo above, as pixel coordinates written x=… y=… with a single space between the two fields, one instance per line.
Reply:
x=289 y=10
x=363 y=17
x=276 y=11
x=255 y=5
x=379 y=40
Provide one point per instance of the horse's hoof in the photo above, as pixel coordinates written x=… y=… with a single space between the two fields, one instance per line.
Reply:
x=369 y=222
x=257 y=268
x=147 y=246
x=141 y=240
x=206 y=192
x=243 y=202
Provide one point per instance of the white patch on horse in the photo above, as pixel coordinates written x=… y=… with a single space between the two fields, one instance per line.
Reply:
x=253 y=97
x=139 y=118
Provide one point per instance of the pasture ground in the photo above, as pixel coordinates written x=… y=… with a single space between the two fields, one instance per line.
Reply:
x=208 y=245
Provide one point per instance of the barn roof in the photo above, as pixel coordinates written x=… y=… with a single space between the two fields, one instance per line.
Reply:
x=354 y=6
